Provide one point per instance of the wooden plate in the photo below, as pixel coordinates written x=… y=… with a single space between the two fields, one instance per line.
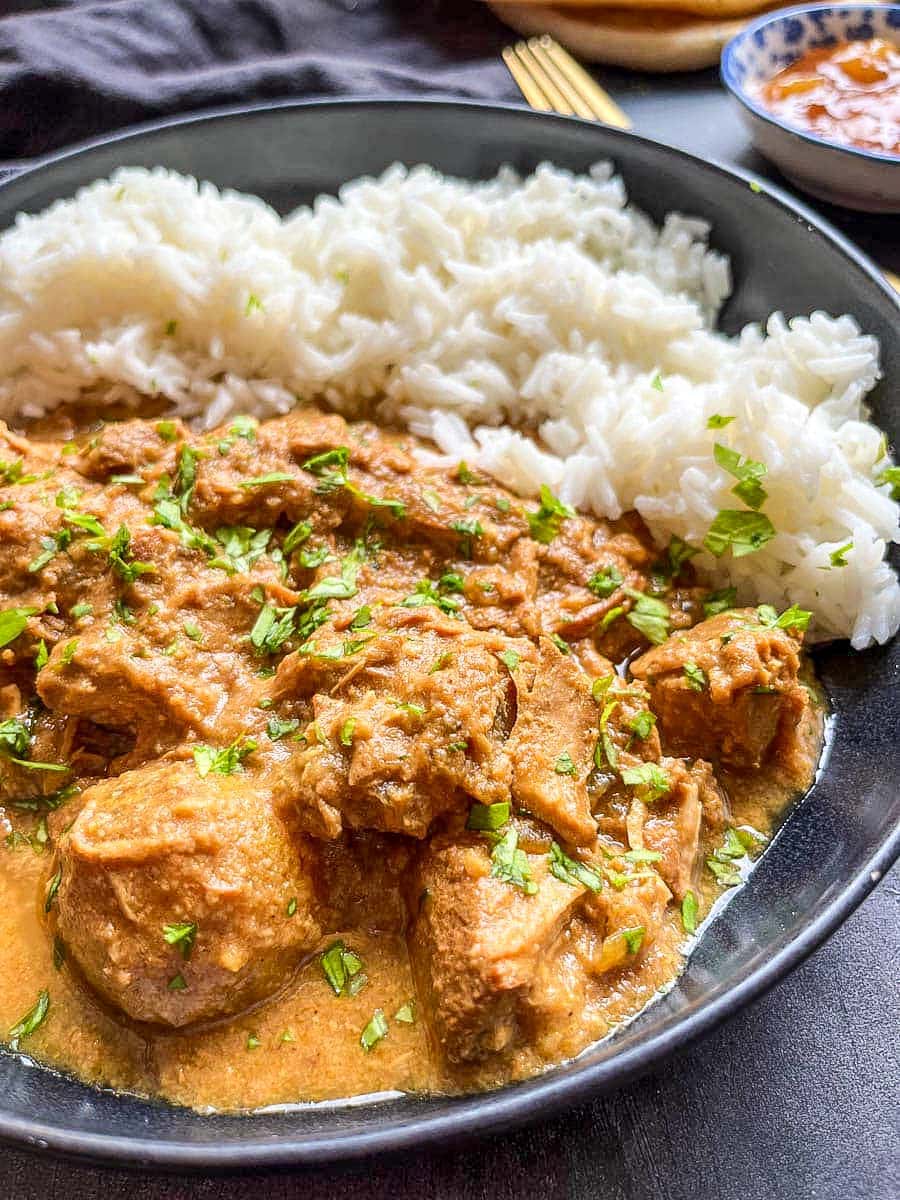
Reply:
x=645 y=40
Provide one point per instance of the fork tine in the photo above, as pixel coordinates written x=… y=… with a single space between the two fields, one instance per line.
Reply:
x=527 y=86
x=604 y=107
x=581 y=107
x=557 y=100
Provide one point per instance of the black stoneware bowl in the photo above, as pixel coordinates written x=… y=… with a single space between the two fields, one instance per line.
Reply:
x=830 y=851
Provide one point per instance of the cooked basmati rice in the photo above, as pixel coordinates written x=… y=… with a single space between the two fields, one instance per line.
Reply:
x=474 y=312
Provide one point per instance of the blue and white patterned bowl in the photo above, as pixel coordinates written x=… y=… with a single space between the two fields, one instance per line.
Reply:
x=845 y=175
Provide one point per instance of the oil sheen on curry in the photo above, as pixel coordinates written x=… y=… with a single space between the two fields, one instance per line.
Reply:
x=324 y=772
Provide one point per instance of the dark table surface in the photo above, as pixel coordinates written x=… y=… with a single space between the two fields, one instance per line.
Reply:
x=796 y=1097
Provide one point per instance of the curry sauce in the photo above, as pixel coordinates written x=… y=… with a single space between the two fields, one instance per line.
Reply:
x=324 y=772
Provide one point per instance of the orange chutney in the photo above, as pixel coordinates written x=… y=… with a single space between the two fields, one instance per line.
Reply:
x=847 y=93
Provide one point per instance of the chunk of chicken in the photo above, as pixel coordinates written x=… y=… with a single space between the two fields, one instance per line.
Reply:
x=176 y=890
x=414 y=725
x=552 y=744
x=481 y=946
x=725 y=689
x=672 y=824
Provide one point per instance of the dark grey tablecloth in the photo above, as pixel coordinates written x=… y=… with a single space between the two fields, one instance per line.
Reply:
x=796 y=1098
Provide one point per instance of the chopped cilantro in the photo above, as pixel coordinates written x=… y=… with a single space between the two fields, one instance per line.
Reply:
x=610 y=617
x=272 y=628
x=648 y=616
x=13 y=622
x=634 y=938
x=330 y=468
x=347 y=730
x=296 y=537
x=717 y=421
x=362 y=618
x=792 y=618
x=52 y=888
x=649 y=776
x=890 y=476
x=695 y=677
x=468 y=528
x=405 y=1014
x=570 y=871
x=742 y=532
x=642 y=856
x=277 y=728
x=564 y=764
x=374 y=1032
x=510 y=864
x=32 y=1020
x=560 y=643
x=427 y=592
x=605 y=581
x=689 y=909
x=488 y=817
x=342 y=969
x=509 y=658
x=241 y=547
x=605 y=750
x=182 y=934
x=719 y=602
x=229 y=761
x=265 y=480
x=838 y=558
x=544 y=524
x=641 y=724
x=746 y=471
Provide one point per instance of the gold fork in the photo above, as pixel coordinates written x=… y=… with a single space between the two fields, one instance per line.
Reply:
x=552 y=81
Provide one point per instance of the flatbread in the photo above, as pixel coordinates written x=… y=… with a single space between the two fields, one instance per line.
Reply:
x=646 y=40
x=711 y=9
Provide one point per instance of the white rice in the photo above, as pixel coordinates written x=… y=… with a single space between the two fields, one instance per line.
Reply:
x=467 y=310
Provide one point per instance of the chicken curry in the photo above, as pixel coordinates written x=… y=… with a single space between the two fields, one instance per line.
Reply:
x=325 y=772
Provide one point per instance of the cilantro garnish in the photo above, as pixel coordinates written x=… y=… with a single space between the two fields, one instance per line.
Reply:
x=648 y=616
x=695 y=677
x=649 y=776
x=183 y=934
x=572 y=872
x=510 y=864
x=742 y=532
x=343 y=969
x=32 y=1020
x=210 y=761
x=488 y=817
x=746 y=471
x=719 y=602
x=544 y=524
x=13 y=622
x=375 y=1031
x=792 y=618
x=605 y=581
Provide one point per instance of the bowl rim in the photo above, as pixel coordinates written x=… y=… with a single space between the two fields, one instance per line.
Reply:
x=738 y=90
x=543 y=1096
